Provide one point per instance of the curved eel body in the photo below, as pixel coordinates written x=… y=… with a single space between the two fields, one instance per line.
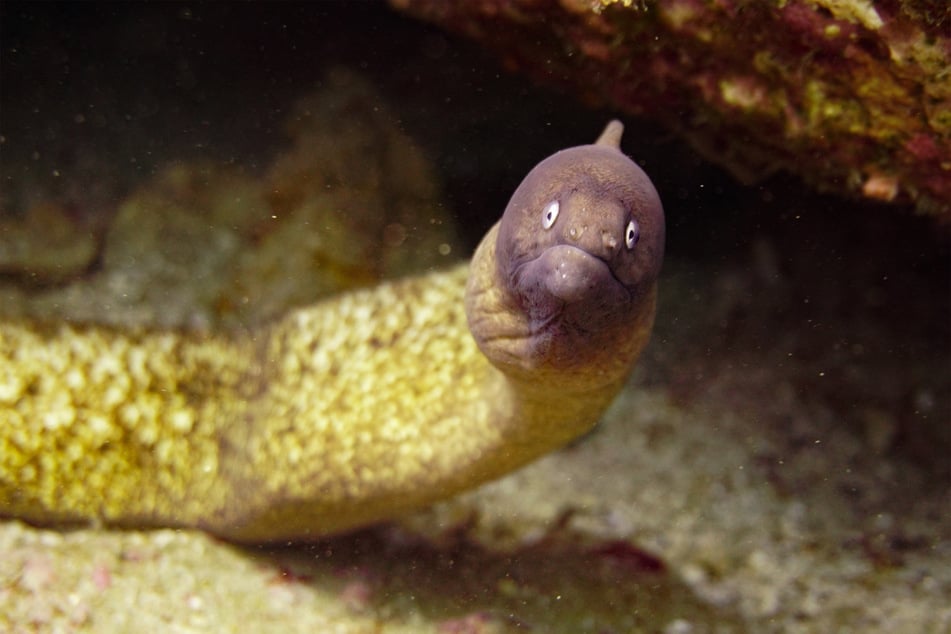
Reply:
x=357 y=408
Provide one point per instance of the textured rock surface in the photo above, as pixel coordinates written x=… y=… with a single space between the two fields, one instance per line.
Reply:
x=852 y=95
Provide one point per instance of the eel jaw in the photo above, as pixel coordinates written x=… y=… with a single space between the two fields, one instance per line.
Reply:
x=570 y=297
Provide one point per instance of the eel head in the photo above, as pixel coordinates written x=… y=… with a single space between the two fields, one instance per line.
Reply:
x=577 y=254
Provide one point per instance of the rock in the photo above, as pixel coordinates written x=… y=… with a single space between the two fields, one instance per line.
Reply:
x=353 y=201
x=203 y=244
x=853 y=96
x=45 y=246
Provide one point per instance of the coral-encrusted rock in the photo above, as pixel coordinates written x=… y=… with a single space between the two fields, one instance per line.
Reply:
x=853 y=95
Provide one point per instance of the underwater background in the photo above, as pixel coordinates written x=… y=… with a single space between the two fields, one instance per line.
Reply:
x=778 y=461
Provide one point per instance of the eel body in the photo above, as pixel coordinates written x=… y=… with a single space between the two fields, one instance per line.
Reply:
x=357 y=408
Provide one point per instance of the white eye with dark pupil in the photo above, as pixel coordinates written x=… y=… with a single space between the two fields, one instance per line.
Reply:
x=631 y=234
x=550 y=214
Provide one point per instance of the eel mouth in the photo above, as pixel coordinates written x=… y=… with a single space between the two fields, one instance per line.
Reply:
x=575 y=273
x=568 y=283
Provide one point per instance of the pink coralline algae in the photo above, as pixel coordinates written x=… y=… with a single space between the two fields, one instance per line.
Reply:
x=852 y=95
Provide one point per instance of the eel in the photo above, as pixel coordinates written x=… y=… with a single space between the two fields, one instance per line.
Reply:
x=357 y=408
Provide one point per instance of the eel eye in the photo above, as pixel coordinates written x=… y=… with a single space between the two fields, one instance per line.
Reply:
x=631 y=234
x=550 y=215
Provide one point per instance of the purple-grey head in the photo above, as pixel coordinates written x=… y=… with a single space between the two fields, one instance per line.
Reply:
x=581 y=243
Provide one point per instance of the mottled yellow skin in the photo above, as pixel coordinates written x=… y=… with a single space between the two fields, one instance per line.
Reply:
x=337 y=415
x=98 y=425
x=304 y=429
